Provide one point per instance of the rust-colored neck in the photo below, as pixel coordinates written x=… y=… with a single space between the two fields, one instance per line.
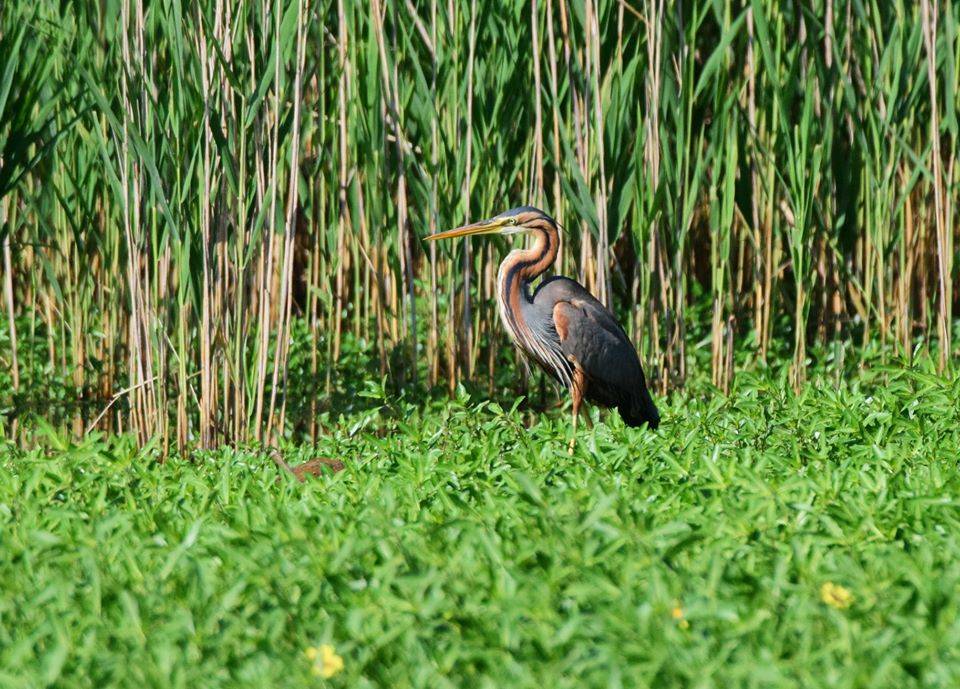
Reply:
x=519 y=268
x=534 y=261
x=514 y=300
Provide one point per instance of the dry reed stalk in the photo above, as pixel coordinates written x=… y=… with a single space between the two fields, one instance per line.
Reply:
x=555 y=111
x=343 y=209
x=930 y=15
x=467 y=322
x=537 y=192
x=8 y=297
x=653 y=24
x=433 y=345
x=592 y=35
x=290 y=229
x=207 y=69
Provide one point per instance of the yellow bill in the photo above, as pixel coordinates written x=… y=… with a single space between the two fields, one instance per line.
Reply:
x=489 y=226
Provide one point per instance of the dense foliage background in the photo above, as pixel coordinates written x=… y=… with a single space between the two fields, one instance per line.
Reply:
x=210 y=235
x=764 y=539
x=205 y=204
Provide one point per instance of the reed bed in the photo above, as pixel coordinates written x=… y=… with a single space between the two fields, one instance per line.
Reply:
x=202 y=204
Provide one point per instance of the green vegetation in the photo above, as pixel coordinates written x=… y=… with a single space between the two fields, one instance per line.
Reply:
x=460 y=548
x=210 y=223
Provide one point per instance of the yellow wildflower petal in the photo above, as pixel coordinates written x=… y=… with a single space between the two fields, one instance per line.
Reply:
x=330 y=663
x=835 y=595
x=328 y=671
x=677 y=613
x=311 y=653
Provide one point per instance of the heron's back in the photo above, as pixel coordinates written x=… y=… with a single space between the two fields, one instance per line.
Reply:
x=590 y=336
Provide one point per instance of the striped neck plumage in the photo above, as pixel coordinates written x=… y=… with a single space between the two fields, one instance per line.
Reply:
x=517 y=270
x=528 y=264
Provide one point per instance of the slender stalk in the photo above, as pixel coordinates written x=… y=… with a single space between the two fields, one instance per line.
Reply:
x=8 y=298
x=930 y=16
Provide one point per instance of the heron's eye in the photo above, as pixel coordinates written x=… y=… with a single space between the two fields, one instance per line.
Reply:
x=513 y=221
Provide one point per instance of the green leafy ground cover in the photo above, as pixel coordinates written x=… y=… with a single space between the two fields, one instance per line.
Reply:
x=461 y=548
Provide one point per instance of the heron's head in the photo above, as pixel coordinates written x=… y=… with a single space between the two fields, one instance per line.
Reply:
x=513 y=221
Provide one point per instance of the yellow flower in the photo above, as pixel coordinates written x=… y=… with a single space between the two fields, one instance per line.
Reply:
x=835 y=595
x=677 y=614
x=326 y=662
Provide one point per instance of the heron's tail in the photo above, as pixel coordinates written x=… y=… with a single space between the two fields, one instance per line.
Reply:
x=641 y=410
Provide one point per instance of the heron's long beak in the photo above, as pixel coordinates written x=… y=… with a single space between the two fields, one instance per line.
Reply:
x=490 y=226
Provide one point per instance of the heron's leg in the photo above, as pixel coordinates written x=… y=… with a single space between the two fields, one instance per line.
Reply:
x=588 y=419
x=576 y=391
x=576 y=415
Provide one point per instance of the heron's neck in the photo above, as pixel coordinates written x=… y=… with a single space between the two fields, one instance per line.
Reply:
x=518 y=269
x=528 y=264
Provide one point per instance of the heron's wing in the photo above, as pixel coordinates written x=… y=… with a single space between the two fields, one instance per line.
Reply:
x=595 y=343
x=592 y=339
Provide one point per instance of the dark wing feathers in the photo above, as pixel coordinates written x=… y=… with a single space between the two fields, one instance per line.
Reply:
x=600 y=350
x=592 y=338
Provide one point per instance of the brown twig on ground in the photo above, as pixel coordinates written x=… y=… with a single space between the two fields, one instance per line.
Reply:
x=313 y=467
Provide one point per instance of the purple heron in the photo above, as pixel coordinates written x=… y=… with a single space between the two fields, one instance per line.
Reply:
x=560 y=325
